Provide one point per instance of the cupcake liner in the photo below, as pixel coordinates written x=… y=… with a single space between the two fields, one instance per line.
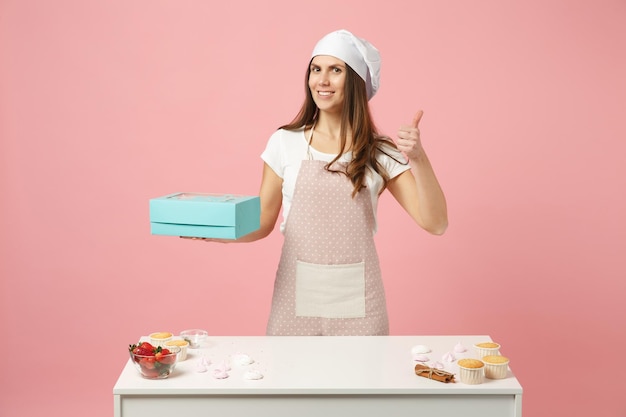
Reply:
x=486 y=351
x=159 y=341
x=473 y=376
x=496 y=367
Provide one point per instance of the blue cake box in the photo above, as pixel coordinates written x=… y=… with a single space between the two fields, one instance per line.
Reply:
x=222 y=216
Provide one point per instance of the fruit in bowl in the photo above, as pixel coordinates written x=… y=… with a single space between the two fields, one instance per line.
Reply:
x=153 y=362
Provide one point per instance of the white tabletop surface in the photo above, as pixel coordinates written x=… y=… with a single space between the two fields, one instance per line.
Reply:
x=317 y=365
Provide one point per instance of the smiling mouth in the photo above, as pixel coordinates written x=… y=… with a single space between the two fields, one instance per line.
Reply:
x=324 y=93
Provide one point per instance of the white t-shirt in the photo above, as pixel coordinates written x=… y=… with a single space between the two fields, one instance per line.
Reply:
x=286 y=150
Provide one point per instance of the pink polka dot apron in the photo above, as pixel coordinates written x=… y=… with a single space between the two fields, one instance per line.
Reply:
x=328 y=280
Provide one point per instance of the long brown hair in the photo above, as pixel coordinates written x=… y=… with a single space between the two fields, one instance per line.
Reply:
x=355 y=116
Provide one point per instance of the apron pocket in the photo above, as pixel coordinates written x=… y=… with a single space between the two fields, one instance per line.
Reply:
x=330 y=291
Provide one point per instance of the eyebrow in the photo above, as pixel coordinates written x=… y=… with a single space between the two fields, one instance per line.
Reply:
x=329 y=66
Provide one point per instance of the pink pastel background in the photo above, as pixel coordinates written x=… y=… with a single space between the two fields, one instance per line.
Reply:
x=105 y=104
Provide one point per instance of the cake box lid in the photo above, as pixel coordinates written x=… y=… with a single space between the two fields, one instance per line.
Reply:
x=208 y=209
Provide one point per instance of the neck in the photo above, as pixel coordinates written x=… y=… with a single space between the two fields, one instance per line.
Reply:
x=329 y=126
x=327 y=136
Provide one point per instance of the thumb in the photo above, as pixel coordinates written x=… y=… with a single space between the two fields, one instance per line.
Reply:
x=417 y=118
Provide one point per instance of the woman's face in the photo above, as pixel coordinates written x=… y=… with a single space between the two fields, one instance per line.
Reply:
x=327 y=77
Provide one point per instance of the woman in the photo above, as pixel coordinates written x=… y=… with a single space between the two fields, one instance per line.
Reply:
x=326 y=169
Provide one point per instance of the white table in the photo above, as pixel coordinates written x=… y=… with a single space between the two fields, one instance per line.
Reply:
x=317 y=376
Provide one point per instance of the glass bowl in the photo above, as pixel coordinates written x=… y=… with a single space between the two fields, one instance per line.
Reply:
x=158 y=365
x=195 y=337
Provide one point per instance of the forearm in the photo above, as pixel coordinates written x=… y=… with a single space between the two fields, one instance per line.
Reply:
x=432 y=208
x=271 y=201
x=270 y=195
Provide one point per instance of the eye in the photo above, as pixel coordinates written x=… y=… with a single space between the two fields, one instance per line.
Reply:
x=337 y=70
x=315 y=69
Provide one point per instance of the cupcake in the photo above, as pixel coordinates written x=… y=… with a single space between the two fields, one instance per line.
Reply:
x=471 y=371
x=496 y=366
x=487 y=348
x=182 y=344
x=159 y=338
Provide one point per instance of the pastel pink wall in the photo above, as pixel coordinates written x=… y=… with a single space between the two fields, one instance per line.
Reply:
x=105 y=104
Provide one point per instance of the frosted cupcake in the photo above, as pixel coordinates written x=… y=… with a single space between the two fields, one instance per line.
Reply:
x=496 y=366
x=471 y=371
x=487 y=349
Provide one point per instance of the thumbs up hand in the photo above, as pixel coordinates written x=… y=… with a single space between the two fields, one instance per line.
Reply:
x=408 y=140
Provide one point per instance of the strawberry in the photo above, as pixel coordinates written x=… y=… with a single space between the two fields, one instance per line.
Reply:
x=155 y=362
x=167 y=359
x=151 y=373
x=144 y=349
x=164 y=356
x=147 y=362
x=146 y=345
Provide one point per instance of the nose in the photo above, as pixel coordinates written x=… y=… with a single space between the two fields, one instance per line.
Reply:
x=323 y=79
